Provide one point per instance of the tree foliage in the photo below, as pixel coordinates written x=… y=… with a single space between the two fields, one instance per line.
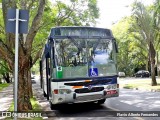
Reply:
x=138 y=38
x=146 y=25
x=132 y=50
x=64 y=13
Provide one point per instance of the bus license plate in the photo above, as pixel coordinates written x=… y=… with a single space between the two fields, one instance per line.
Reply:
x=111 y=92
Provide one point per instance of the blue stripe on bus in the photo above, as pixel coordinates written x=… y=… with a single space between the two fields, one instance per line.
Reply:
x=86 y=78
x=93 y=82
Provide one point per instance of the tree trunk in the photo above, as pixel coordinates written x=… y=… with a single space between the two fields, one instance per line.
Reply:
x=24 y=103
x=30 y=84
x=25 y=48
x=6 y=77
x=154 y=82
x=152 y=60
x=147 y=64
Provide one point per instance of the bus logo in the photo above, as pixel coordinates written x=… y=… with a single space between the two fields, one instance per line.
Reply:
x=89 y=87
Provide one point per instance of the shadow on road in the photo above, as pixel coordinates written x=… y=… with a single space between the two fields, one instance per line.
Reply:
x=79 y=107
x=82 y=110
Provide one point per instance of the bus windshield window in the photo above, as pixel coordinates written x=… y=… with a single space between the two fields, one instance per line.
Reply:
x=100 y=51
x=76 y=56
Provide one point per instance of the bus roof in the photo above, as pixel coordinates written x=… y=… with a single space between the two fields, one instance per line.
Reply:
x=77 y=31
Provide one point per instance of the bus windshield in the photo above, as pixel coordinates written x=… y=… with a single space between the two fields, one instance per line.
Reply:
x=76 y=56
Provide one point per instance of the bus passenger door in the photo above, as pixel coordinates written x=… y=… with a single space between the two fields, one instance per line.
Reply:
x=48 y=78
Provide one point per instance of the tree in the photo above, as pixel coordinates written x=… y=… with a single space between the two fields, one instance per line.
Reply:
x=25 y=47
x=65 y=13
x=75 y=12
x=62 y=14
x=145 y=24
x=132 y=54
x=156 y=9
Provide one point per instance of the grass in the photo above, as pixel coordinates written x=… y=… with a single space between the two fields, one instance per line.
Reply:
x=144 y=84
x=3 y=85
x=36 y=109
x=130 y=86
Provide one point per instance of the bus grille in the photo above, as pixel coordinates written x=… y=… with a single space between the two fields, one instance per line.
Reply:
x=88 y=98
x=87 y=90
x=93 y=82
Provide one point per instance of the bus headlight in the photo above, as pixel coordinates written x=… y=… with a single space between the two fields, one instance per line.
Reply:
x=108 y=87
x=113 y=86
x=64 y=91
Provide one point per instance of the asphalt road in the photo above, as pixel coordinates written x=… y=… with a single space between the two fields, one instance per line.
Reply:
x=129 y=100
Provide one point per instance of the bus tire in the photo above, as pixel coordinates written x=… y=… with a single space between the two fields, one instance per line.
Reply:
x=44 y=94
x=101 y=101
x=47 y=96
x=52 y=106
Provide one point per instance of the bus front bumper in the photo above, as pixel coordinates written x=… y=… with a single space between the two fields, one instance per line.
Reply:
x=85 y=97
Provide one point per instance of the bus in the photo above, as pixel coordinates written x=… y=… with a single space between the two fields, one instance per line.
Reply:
x=78 y=65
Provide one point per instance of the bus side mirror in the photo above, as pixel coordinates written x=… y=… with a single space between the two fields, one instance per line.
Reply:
x=50 y=38
x=116 y=46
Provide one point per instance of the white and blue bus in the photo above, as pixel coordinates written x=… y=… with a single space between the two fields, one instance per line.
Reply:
x=78 y=64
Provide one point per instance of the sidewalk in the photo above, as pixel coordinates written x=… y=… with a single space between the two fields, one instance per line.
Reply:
x=6 y=98
x=43 y=102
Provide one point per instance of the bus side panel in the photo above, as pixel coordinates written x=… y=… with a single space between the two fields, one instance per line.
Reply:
x=54 y=95
x=44 y=78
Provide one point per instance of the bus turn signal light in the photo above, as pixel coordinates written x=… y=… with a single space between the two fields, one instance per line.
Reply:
x=62 y=91
x=117 y=85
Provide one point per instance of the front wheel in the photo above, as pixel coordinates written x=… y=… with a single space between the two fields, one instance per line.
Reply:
x=101 y=101
x=52 y=106
x=44 y=94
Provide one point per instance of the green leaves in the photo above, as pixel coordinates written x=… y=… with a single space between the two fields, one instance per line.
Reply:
x=60 y=13
x=136 y=35
x=3 y=67
x=130 y=54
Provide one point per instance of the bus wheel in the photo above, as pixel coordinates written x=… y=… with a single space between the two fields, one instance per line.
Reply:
x=52 y=106
x=44 y=94
x=101 y=101
x=47 y=97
